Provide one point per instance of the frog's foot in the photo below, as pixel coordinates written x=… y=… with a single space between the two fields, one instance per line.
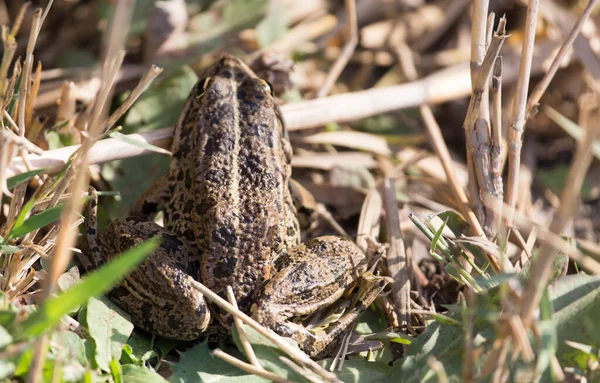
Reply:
x=159 y=294
x=315 y=277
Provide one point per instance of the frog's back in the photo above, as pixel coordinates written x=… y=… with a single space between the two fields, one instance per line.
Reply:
x=229 y=180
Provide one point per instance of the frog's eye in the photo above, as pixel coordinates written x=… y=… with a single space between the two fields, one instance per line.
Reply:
x=266 y=86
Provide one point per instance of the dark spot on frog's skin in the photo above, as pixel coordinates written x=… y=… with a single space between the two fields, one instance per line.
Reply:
x=225 y=268
x=188 y=181
x=226 y=73
x=91 y=231
x=180 y=176
x=174 y=322
x=225 y=236
x=189 y=235
x=291 y=231
x=94 y=202
x=193 y=269
x=189 y=205
x=175 y=217
x=149 y=207
x=204 y=206
x=219 y=142
x=171 y=243
x=215 y=175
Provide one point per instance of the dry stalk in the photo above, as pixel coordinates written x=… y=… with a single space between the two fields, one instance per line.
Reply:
x=140 y=88
x=10 y=46
x=553 y=240
x=437 y=141
x=347 y=51
x=242 y=334
x=280 y=342
x=249 y=368
x=396 y=256
x=496 y=162
x=311 y=377
x=468 y=372
x=31 y=96
x=541 y=87
x=19 y=18
x=541 y=270
x=26 y=73
x=477 y=124
x=518 y=119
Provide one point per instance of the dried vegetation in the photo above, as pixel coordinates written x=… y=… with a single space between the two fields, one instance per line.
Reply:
x=455 y=141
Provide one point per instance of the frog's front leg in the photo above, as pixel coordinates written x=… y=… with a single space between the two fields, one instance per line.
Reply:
x=312 y=277
x=158 y=295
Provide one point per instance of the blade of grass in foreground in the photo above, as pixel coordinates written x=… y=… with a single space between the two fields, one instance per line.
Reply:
x=94 y=284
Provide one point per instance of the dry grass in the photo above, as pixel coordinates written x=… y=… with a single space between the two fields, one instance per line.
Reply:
x=374 y=61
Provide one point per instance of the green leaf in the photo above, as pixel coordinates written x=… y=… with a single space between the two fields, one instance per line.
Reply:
x=161 y=104
x=5 y=338
x=243 y=12
x=35 y=222
x=68 y=347
x=94 y=284
x=139 y=348
x=115 y=371
x=436 y=237
x=268 y=354
x=8 y=249
x=7 y=368
x=110 y=329
x=360 y=371
x=199 y=365
x=23 y=177
x=139 y=374
x=274 y=26
x=576 y=300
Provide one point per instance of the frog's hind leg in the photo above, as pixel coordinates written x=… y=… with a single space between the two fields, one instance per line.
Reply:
x=159 y=294
x=311 y=278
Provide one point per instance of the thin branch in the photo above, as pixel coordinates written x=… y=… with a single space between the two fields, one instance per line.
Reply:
x=242 y=334
x=396 y=256
x=280 y=342
x=541 y=87
x=518 y=120
x=347 y=51
x=496 y=149
x=541 y=271
x=249 y=368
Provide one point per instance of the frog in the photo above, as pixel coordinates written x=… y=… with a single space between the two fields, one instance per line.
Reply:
x=229 y=219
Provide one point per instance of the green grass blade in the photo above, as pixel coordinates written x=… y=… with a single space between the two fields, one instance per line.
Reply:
x=23 y=177
x=22 y=227
x=94 y=284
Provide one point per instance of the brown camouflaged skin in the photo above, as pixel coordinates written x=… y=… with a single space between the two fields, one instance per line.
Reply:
x=230 y=221
x=228 y=181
